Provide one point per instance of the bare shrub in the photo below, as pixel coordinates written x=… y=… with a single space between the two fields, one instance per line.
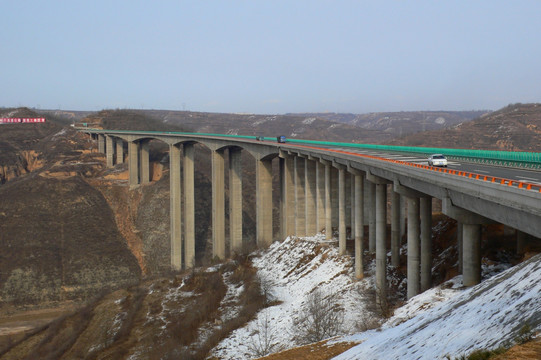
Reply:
x=322 y=318
x=263 y=339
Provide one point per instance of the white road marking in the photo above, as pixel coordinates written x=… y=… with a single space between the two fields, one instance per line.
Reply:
x=481 y=171
x=527 y=178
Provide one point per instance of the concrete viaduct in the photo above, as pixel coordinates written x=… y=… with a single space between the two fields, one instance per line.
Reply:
x=313 y=198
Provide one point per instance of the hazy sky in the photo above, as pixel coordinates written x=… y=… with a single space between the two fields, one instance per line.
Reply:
x=270 y=56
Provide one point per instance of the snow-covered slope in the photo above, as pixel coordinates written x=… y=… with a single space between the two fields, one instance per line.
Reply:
x=291 y=270
x=486 y=316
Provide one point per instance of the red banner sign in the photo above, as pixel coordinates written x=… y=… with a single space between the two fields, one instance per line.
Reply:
x=21 y=120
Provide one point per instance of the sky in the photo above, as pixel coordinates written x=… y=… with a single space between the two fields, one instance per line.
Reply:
x=270 y=57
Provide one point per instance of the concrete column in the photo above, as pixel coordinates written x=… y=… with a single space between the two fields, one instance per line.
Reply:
x=413 y=247
x=109 y=150
x=359 y=233
x=300 y=228
x=521 y=242
x=460 y=245
x=471 y=273
x=218 y=205
x=133 y=162
x=426 y=243
x=381 y=237
x=372 y=217
x=287 y=195
x=101 y=144
x=144 y=167
x=328 y=202
x=395 y=229
x=341 y=211
x=119 y=151
x=264 y=202
x=189 y=205
x=320 y=196
x=174 y=204
x=310 y=213
x=403 y=215
x=235 y=199
x=334 y=196
x=352 y=205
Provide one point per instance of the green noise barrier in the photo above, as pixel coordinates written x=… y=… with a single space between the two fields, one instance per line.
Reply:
x=522 y=159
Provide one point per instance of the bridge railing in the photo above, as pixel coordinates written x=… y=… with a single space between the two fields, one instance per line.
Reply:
x=519 y=159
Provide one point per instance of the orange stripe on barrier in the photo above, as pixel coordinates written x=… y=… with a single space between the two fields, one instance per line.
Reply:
x=508 y=182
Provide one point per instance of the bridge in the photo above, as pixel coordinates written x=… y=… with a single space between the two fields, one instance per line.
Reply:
x=313 y=197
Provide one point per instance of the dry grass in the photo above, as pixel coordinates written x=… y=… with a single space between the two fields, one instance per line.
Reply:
x=317 y=351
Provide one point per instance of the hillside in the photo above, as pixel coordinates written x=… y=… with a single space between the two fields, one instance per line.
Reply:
x=516 y=127
x=293 y=126
x=404 y=122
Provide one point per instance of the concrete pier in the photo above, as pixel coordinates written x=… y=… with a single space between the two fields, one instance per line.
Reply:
x=189 y=204
x=381 y=237
x=218 y=204
x=459 y=244
x=414 y=262
x=235 y=199
x=471 y=273
x=110 y=150
x=320 y=196
x=133 y=162
x=426 y=243
x=264 y=202
x=119 y=151
x=395 y=229
x=328 y=202
x=287 y=195
x=174 y=207
x=359 y=233
x=300 y=208
x=144 y=166
x=310 y=193
x=341 y=209
x=101 y=144
x=372 y=217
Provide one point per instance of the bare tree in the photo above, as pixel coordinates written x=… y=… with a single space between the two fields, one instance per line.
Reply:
x=263 y=339
x=322 y=318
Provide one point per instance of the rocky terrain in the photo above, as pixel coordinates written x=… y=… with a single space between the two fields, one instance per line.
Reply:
x=516 y=127
x=71 y=231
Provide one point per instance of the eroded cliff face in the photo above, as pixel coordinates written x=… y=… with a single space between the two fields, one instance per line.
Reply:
x=58 y=237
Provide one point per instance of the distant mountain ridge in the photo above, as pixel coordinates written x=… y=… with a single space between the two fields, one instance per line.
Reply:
x=403 y=122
